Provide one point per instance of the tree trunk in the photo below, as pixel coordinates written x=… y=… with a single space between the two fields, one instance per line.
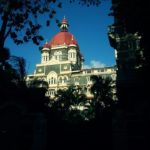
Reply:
x=3 y=28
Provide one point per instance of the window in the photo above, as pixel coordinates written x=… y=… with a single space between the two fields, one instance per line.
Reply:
x=88 y=78
x=46 y=58
x=50 y=93
x=60 y=80
x=52 y=78
x=102 y=70
x=49 y=81
x=43 y=58
x=74 y=55
x=58 y=55
x=63 y=79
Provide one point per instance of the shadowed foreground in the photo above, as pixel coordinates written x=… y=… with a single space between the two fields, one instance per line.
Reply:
x=27 y=124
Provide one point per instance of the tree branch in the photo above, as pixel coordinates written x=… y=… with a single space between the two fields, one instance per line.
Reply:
x=3 y=29
x=8 y=32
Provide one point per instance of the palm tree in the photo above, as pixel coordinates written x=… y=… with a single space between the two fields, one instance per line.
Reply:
x=102 y=90
x=68 y=103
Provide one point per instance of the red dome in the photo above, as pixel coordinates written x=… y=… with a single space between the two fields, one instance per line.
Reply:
x=62 y=38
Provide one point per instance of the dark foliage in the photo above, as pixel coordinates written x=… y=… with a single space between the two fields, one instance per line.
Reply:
x=133 y=93
x=66 y=103
x=102 y=90
x=134 y=17
x=22 y=16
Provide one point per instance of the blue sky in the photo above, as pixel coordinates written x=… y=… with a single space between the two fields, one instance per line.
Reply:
x=89 y=26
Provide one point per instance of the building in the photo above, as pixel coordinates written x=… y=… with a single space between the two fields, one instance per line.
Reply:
x=62 y=64
x=129 y=36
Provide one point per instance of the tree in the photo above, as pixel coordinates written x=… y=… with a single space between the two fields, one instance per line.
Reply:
x=128 y=22
x=22 y=15
x=18 y=16
x=103 y=94
x=18 y=63
x=68 y=103
x=102 y=89
x=12 y=71
x=64 y=99
x=134 y=22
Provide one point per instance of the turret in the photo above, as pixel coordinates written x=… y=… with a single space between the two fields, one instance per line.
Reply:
x=45 y=53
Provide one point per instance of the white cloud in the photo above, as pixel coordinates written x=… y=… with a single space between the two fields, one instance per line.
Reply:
x=94 y=64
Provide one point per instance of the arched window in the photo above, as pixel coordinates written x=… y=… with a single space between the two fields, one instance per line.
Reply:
x=54 y=81
x=72 y=54
x=49 y=81
x=45 y=57
x=52 y=78
x=58 y=55
x=65 y=79
x=60 y=80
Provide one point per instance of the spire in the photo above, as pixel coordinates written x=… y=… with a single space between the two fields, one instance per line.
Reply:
x=64 y=25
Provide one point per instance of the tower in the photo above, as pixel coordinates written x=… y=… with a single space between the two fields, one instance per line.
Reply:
x=63 y=48
x=61 y=64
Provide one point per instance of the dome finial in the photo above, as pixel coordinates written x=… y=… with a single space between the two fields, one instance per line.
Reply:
x=64 y=25
x=72 y=38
